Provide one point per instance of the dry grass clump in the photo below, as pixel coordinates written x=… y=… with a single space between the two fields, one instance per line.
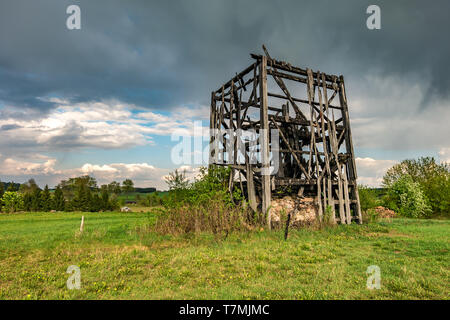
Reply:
x=215 y=217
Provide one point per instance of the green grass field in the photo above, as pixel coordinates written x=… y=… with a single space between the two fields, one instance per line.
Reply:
x=121 y=258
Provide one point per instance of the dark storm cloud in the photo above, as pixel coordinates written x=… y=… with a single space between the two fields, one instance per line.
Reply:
x=7 y=127
x=159 y=54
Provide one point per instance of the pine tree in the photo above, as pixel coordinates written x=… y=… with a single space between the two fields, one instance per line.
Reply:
x=45 y=199
x=27 y=201
x=11 y=187
x=96 y=204
x=105 y=200
x=77 y=201
x=36 y=200
x=87 y=202
x=2 y=189
x=58 y=200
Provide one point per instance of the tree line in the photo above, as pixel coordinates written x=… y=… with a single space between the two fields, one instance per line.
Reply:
x=74 y=194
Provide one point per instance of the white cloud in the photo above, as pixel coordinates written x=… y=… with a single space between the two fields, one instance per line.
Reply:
x=44 y=170
x=371 y=171
x=41 y=165
x=100 y=125
x=444 y=155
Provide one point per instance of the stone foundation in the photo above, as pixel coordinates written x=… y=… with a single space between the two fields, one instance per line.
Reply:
x=303 y=210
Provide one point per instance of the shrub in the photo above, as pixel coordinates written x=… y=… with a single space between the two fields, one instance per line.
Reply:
x=433 y=178
x=12 y=201
x=407 y=198
x=151 y=200
x=215 y=217
x=367 y=197
x=211 y=184
x=206 y=205
x=372 y=215
x=177 y=180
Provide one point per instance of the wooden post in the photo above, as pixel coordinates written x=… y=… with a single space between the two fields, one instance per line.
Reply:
x=251 y=195
x=82 y=224
x=325 y=147
x=335 y=148
x=264 y=138
x=212 y=127
x=349 y=147
x=348 y=213
x=358 y=206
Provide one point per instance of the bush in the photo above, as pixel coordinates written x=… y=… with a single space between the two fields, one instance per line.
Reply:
x=151 y=200
x=368 y=198
x=215 y=217
x=212 y=184
x=407 y=198
x=433 y=178
x=12 y=201
x=207 y=205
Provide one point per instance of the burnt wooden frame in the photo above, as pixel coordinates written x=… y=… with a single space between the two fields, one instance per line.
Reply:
x=316 y=156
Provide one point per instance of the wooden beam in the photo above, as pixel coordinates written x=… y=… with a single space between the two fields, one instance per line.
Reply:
x=236 y=77
x=264 y=136
x=283 y=87
x=275 y=95
x=291 y=150
x=288 y=67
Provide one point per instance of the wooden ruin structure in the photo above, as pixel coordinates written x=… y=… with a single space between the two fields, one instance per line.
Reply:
x=313 y=147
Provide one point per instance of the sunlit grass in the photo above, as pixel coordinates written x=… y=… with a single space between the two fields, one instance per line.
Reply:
x=121 y=258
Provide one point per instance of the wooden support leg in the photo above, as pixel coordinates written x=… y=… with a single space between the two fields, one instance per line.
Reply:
x=341 y=198
x=251 y=195
x=358 y=206
x=264 y=136
x=348 y=213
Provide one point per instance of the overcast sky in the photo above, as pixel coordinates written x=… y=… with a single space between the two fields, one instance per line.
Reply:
x=104 y=100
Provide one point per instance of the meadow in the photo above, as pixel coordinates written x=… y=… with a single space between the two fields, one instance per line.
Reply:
x=120 y=257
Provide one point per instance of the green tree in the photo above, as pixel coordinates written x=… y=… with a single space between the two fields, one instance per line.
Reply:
x=87 y=203
x=152 y=199
x=407 y=197
x=96 y=203
x=36 y=200
x=28 y=187
x=58 y=200
x=46 y=200
x=82 y=200
x=177 y=180
x=127 y=186
x=433 y=177
x=105 y=199
x=114 y=187
x=72 y=185
x=12 y=201
x=27 y=201
x=11 y=187
x=2 y=189
x=113 y=202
